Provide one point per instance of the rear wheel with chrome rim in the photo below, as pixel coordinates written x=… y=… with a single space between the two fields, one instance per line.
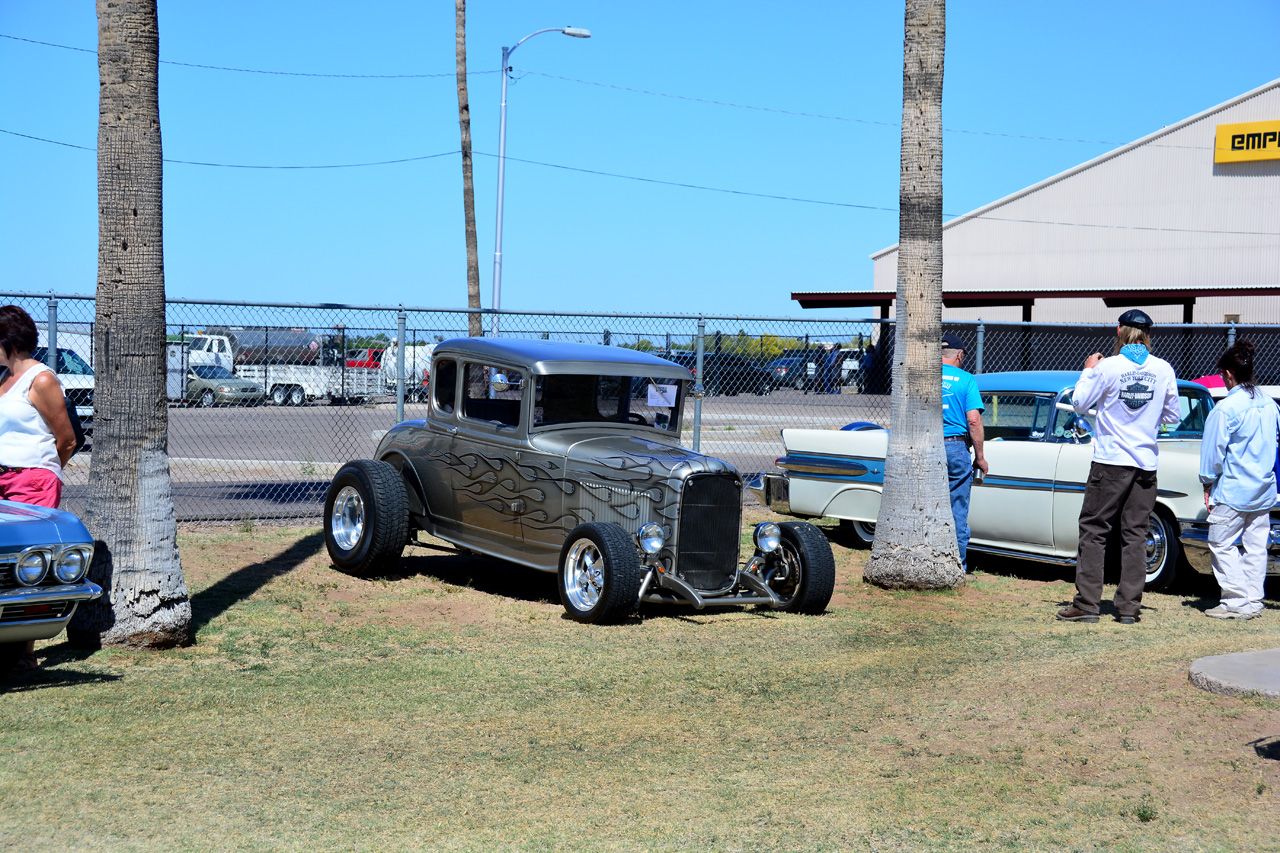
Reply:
x=366 y=517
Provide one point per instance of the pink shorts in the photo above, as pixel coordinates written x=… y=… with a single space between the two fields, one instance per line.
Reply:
x=37 y=486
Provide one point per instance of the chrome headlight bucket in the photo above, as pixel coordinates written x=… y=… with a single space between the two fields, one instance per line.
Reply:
x=651 y=538
x=72 y=564
x=768 y=536
x=32 y=564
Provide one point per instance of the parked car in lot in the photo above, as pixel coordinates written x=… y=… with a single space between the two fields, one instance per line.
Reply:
x=365 y=357
x=790 y=372
x=541 y=453
x=727 y=373
x=1028 y=505
x=44 y=556
x=210 y=385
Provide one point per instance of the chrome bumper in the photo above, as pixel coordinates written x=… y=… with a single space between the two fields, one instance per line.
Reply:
x=1195 y=546
x=18 y=622
x=772 y=490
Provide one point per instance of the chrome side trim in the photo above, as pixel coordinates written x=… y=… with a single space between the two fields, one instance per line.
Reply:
x=1022 y=555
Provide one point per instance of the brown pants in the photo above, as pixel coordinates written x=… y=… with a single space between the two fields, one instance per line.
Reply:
x=1116 y=495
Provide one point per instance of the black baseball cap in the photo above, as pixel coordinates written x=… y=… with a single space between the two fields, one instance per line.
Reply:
x=1137 y=318
x=950 y=341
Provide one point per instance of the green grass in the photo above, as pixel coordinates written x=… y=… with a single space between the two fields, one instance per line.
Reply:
x=451 y=707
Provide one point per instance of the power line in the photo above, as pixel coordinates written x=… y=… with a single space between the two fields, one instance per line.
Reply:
x=259 y=70
x=650 y=92
x=685 y=185
x=250 y=165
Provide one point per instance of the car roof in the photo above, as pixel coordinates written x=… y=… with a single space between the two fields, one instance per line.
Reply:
x=1043 y=381
x=542 y=357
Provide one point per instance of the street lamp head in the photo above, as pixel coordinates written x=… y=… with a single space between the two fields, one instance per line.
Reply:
x=577 y=32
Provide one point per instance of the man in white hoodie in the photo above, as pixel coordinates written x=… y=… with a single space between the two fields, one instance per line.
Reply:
x=1134 y=393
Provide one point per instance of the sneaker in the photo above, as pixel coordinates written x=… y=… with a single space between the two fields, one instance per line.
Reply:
x=1222 y=612
x=1128 y=618
x=1075 y=614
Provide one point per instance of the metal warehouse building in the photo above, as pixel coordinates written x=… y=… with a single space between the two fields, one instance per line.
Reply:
x=1184 y=222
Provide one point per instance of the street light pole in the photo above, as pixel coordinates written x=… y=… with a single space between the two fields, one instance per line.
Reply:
x=575 y=32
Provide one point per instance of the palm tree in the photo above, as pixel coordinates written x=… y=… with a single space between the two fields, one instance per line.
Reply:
x=130 y=494
x=474 y=327
x=915 y=543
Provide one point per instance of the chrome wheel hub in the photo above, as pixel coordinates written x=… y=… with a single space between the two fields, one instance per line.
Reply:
x=583 y=575
x=348 y=519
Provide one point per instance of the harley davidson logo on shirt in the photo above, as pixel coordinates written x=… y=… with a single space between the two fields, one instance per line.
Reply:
x=1137 y=395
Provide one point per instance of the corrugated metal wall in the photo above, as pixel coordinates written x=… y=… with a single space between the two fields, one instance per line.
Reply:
x=1156 y=214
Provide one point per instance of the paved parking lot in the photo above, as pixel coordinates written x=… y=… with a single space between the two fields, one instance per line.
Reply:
x=275 y=462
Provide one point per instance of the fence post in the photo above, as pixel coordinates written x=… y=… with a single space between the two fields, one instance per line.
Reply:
x=982 y=335
x=697 y=383
x=51 y=336
x=1231 y=336
x=400 y=365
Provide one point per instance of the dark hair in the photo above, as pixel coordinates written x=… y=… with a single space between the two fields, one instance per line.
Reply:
x=1239 y=360
x=17 y=330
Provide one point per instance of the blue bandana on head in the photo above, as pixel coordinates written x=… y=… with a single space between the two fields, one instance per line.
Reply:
x=1136 y=353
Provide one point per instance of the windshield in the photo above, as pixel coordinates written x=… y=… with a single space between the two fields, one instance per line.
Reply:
x=645 y=401
x=211 y=371
x=69 y=362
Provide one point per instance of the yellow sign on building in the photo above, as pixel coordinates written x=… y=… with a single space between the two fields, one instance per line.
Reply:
x=1239 y=143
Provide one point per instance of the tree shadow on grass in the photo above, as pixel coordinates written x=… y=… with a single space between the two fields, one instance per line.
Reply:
x=45 y=678
x=215 y=600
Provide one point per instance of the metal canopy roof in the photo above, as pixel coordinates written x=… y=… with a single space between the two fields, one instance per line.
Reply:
x=1116 y=298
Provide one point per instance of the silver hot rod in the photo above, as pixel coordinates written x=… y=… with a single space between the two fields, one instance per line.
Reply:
x=566 y=458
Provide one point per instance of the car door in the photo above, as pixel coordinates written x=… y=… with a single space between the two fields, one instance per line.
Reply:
x=488 y=488
x=1070 y=478
x=1013 y=505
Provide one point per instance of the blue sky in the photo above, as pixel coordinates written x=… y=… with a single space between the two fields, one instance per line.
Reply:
x=798 y=100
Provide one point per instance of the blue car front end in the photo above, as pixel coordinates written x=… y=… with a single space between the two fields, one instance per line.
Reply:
x=44 y=557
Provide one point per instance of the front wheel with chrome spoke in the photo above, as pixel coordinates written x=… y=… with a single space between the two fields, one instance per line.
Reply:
x=599 y=578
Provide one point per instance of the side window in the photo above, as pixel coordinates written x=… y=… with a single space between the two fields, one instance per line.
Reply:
x=1013 y=416
x=492 y=393
x=199 y=344
x=444 y=382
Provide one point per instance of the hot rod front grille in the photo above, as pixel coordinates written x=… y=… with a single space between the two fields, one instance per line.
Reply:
x=710 y=524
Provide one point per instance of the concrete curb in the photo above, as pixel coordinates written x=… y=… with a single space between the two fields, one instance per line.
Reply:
x=1240 y=674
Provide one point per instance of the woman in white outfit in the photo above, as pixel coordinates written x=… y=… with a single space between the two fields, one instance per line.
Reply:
x=1237 y=468
x=36 y=438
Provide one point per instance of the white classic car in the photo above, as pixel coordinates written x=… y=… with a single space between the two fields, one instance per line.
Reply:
x=1028 y=505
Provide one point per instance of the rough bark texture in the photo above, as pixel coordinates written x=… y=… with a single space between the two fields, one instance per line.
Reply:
x=915 y=543
x=130 y=513
x=474 y=326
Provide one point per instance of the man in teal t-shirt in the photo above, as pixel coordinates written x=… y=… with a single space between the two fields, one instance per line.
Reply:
x=961 y=427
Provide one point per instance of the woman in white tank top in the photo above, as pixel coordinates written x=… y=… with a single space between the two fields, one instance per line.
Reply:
x=36 y=438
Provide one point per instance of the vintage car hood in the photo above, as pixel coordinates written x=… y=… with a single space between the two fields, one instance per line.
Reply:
x=633 y=458
x=24 y=525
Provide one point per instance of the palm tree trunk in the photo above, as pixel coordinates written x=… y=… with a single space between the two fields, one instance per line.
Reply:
x=130 y=493
x=915 y=542
x=474 y=326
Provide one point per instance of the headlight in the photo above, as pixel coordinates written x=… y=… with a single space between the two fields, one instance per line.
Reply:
x=31 y=566
x=767 y=536
x=73 y=564
x=651 y=538
x=224 y=388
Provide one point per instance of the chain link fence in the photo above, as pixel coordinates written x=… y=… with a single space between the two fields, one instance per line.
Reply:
x=267 y=401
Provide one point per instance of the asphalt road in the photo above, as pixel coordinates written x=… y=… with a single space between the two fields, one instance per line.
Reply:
x=272 y=462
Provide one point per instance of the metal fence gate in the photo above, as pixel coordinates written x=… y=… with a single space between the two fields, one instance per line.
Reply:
x=273 y=458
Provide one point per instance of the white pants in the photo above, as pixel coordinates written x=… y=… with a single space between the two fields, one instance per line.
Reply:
x=1240 y=570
